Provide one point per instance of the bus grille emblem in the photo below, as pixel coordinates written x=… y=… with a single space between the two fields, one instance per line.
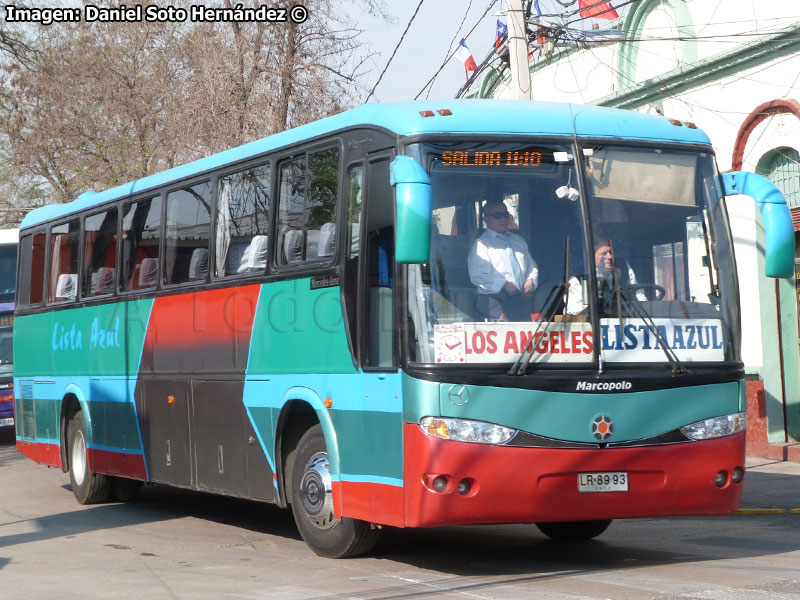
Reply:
x=458 y=395
x=602 y=428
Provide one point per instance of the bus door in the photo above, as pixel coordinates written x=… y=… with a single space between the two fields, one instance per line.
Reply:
x=379 y=350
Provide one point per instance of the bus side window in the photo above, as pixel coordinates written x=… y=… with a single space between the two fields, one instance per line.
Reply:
x=188 y=230
x=141 y=231
x=379 y=325
x=242 y=241
x=307 y=207
x=31 y=271
x=99 y=253
x=64 y=246
x=323 y=184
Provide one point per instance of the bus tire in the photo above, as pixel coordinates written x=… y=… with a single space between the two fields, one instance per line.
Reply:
x=312 y=504
x=573 y=531
x=88 y=487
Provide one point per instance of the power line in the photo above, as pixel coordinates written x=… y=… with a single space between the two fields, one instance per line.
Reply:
x=449 y=48
x=450 y=55
x=402 y=37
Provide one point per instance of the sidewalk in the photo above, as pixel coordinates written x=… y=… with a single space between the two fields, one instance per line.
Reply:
x=758 y=443
x=771 y=487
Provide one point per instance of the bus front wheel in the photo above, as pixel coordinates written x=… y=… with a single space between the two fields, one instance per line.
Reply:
x=312 y=504
x=573 y=531
x=89 y=488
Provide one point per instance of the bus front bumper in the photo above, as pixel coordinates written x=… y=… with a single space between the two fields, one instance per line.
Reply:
x=507 y=484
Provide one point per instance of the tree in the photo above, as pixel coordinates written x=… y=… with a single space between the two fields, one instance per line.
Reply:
x=95 y=105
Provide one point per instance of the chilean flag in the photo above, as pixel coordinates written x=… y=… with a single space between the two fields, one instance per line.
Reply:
x=597 y=9
x=464 y=55
x=500 y=33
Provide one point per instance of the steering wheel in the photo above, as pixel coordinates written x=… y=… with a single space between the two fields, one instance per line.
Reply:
x=652 y=290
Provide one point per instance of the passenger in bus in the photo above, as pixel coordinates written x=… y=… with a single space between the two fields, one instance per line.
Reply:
x=502 y=268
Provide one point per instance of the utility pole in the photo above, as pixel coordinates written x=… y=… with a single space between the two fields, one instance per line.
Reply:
x=518 y=50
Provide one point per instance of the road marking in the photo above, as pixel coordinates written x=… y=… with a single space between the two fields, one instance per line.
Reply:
x=795 y=511
x=761 y=511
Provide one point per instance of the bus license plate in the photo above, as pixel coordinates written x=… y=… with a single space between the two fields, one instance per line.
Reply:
x=616 y=481
x=4 y=422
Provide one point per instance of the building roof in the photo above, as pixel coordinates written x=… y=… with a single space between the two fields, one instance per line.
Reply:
x=404 y=119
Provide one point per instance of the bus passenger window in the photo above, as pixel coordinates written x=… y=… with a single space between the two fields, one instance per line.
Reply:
x=323 y=169
x=187 y=227
x=141 y=231
x=307 y=207
x=64 y=246
x=99 y=253
x=31 y=271
x=242 y=226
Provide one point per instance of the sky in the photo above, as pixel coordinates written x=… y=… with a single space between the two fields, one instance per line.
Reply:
x=435 y=31
x=426 y=46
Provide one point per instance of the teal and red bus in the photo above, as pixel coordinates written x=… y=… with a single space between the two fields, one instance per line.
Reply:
x=295 y=321
x=8 y=277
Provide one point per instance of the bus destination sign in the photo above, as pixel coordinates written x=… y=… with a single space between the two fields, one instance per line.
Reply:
x=491 y=158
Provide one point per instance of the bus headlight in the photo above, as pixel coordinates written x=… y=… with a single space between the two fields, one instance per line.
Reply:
x=716 y=427
x=465 y=430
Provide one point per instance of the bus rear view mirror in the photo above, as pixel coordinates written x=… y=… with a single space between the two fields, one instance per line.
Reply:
x=414 y=201
x=778 y=229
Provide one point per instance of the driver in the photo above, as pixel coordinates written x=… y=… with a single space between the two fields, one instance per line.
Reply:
x=502 y=268
x=607 y=268
x=611 y=270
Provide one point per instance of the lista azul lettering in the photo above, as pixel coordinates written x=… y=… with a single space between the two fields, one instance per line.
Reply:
x=66 y=337
x=684 y=337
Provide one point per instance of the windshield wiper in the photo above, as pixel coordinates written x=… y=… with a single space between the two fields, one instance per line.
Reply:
x=637 y=309
x=520 y=365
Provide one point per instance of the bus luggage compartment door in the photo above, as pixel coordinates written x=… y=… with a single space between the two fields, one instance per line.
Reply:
x=219 y=424
x=165 y=429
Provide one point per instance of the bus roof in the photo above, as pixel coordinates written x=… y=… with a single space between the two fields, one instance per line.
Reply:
x=404 y=119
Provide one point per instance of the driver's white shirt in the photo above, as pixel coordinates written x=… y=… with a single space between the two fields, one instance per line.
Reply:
x=490 y=266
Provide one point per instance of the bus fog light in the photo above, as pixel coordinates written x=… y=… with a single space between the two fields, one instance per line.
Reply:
x=464 y=486
x=466 y=430
x=721 y=479
x=439 y=484
x=716 y=427
x=738 y=475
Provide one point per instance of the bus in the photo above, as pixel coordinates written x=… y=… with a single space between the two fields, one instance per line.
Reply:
x=8 y=278
x=294 y=321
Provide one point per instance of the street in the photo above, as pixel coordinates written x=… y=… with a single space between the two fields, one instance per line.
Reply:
x=176 y=544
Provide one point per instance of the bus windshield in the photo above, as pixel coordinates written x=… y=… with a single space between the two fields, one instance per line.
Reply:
x=8 y=274
x=519 y=260
x=6 y=345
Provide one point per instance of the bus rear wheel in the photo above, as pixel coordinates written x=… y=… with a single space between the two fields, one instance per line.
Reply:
x=312 y=504
x=88 y=487
x=573 y=531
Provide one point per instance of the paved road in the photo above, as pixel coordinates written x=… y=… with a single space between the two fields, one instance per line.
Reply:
x=174 y=544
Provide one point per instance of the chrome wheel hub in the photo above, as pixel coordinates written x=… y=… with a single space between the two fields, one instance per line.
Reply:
x=315 y=491
x=78 y=458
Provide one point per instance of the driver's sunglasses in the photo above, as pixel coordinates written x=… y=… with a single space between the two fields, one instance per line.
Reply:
x=499 y=215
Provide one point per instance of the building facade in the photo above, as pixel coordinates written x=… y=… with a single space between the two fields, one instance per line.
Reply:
x=733 y=68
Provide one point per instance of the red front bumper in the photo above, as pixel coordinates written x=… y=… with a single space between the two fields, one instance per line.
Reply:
x=519 y=485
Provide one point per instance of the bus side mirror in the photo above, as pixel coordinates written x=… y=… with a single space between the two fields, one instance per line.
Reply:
x=414 y=200
x=778 y=229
